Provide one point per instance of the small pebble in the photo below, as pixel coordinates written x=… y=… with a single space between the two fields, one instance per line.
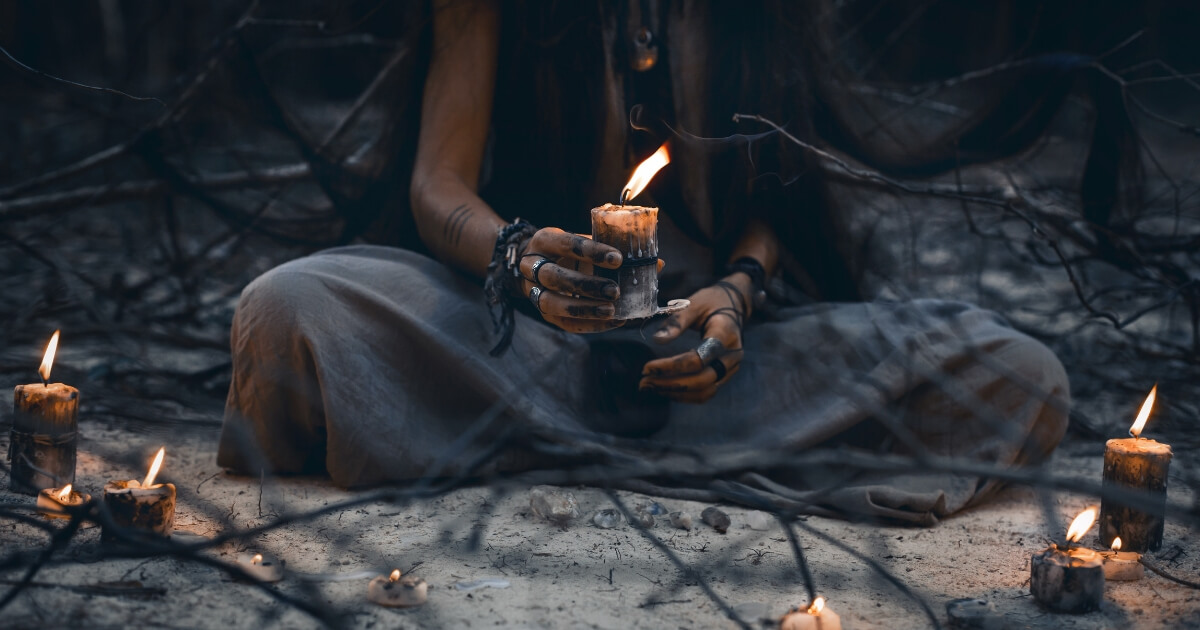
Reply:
x=643 y=519
x=758 y=521
x=974 y=614
x=681 y=520
x=654 y=508
x=716 y=518
x=554 y=505
x=607 y=519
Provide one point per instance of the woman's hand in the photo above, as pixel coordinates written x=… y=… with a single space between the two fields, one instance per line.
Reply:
x=719 y=312
x=569 y=296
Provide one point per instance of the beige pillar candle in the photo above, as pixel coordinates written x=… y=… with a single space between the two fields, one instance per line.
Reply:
x=41 y=447
x=817 y=616
x=51 y=501
x=143 y=506
x=396 y=591
x=1141 y=465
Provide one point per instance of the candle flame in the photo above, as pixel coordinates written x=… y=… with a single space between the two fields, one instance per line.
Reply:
x=645 y=172
x=154 y=468
x=395 y=575
x=257 y=559
x=1081 y=524
x=1116 y=546
x=48 y=358
x=817 y=606
x=64 y=493
x=1144 y=413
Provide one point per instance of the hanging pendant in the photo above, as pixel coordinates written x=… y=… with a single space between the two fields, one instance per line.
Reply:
x=645 y=50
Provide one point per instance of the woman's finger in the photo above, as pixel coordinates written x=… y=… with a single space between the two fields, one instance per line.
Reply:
x=556 y=305
x=584 y=326
x=559 y=244
x=677 y=323
x=566 y=281
x=696 y=382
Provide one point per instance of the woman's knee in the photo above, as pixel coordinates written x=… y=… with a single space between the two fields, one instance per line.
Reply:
x=1037 y=377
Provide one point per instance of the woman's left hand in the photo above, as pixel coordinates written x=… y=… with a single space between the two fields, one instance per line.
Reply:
x=719 y=312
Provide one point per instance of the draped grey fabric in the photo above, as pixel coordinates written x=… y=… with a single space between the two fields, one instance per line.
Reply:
x=371 y=363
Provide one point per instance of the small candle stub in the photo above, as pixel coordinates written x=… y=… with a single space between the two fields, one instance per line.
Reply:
x=817 y=616
x=397 y=591
x=1069 y=579
x=145 y=509
x=51 y=501
x=1122 y=566
x=261 y=567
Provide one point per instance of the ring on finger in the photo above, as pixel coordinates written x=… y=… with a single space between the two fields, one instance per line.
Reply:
x=710 y=348
x=719 y=367
x=535 y=297
x=537 y=266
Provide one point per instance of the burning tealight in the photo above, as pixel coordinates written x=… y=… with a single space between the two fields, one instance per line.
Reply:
x=51 y=501
x=1066 y=578
x=1122 y=566
x=817 y=616
x=1137 y=464
x=260 y=567
x=633 y=230
x=396 y=591
x=42 y=443
x=146 y=506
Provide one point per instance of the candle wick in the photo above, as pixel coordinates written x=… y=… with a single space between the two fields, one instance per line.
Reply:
x=624 y=196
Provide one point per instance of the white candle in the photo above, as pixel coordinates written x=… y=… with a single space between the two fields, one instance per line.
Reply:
x=1122 y=566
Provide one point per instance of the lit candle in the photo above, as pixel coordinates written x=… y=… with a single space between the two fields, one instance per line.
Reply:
x=817 y=616
x=633 y=230
x=1122 y=566
x=42 y=444
x=396 y=591
x=146 y=506
x=1066 y=578
x=260 y=567
x=1138 y=464
x=51 y=501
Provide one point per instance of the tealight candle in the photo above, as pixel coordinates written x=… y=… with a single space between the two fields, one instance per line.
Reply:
x=51 y=501
x=146 y=506
x=260 y=567
x=1122 y=566
x=1066 y=578
x=42 y=442
x=1140 y=464
x=817 y=616
x=397 y=592
x=633 y=230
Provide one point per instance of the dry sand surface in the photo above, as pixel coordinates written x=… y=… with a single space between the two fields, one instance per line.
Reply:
x=579 y=576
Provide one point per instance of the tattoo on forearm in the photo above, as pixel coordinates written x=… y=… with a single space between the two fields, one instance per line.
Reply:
x=452 y=231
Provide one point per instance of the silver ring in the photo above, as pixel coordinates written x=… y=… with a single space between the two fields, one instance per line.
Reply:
x=535 y=297
x=710 y=348
x=537 y=266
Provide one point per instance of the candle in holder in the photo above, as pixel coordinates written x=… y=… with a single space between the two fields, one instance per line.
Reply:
x=41 y=449
x=260 y=567
x=1066 y=578
x=1136 y=464
x=1122 y=566
x=52 y=501
x=145 y=507
x=817 y=616
x=397 y=592
x=633 y=230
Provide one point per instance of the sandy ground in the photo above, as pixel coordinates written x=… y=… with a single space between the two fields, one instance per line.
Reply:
x=579 y=576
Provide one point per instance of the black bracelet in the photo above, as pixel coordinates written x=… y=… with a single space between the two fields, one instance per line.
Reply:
x=503 y=280
x=758 y=277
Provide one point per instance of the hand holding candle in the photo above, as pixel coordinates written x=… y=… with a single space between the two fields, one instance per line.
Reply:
x=42 y=442
x=144 y=506
x=1138 y=464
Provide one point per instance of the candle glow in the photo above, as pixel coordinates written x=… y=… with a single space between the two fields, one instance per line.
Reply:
x=817 y=606
x=644 y=173
x=1081 y=524
x=257 y=559
x=1116 y=545
x=48 y=358
x=1144 y=413
x=158 y=459
x=395 y=576
x=64 y=493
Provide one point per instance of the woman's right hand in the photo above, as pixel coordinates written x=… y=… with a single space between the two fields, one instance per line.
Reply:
x=570 y=296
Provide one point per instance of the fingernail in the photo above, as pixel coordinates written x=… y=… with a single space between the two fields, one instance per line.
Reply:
x=612 y=258
x=608 y=311
x=662 y=333
x=612 y=292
